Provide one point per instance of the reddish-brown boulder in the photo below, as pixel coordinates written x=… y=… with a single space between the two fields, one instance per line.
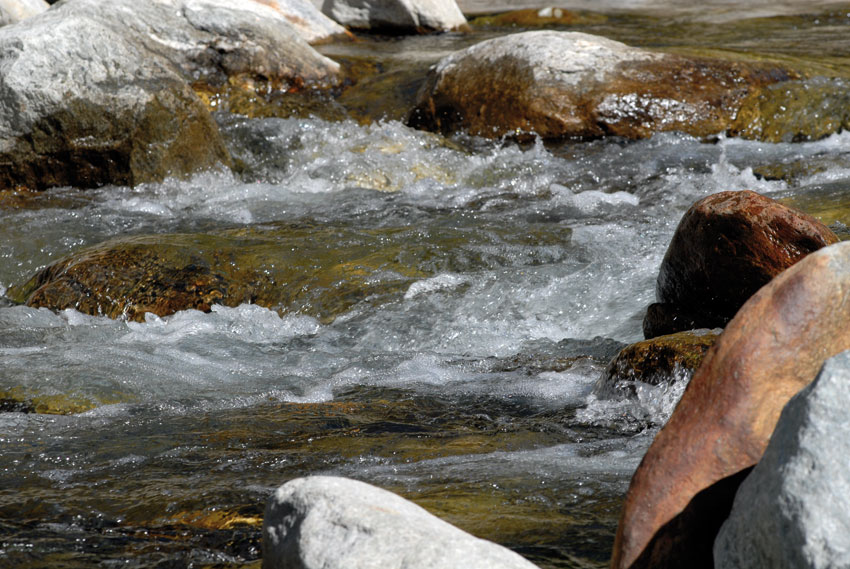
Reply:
x=727 y=246
x=773 y=347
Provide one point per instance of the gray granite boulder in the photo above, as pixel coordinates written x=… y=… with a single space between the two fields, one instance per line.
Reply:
x=82 y=104
x=401 y=16
x=793 y=510
x=94 y=93
x=302 y=15
x=324 y=522
x=13 y=11
x=212 y=40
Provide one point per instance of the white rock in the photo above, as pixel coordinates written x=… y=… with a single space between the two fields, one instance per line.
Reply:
x=793 y=510
x=302 y=15
x=83 y=104
x=564 y=58
x=13 y=11
x=404 y=15
x=324 y=522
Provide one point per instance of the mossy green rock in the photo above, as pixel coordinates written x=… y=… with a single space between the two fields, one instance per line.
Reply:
x=660 y=360
x=320 y=271
x=795 y=111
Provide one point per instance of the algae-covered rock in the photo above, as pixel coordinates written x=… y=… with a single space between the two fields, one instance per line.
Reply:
x=661 y=360
x=794 y=111
x=570 y=84
x=302 y=268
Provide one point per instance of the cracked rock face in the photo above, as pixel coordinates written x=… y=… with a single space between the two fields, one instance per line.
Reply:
x=570 y=84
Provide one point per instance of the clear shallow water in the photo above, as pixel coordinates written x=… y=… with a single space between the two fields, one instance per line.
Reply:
x=469 y=392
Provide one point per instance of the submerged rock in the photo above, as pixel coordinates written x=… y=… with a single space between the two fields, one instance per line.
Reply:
x=771 y=349
x=570 y=84
x=400 y=16
x=13 y=11
x=81 y=104
x=793 y=510
x=301 y=268
x=336 y=523
x=661 y=360
x=726 y=247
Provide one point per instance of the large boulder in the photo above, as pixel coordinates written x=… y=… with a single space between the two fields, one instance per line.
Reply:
x=793 y=510
x=325 y=522
x=398 y=16
x=13 y=11
x=570 y=84
x=83 y=105
x=211 y=40
x=92 y=94
x=773 y=347
x=726 y=247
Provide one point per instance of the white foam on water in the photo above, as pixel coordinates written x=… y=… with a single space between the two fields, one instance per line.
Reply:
x=441 y=282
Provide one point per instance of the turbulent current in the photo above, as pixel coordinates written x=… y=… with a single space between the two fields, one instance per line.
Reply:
x=157 y=443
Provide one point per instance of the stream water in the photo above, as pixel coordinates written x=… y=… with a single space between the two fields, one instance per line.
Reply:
x=156 y=444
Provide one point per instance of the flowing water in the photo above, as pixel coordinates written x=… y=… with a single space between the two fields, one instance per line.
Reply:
x=469 y=391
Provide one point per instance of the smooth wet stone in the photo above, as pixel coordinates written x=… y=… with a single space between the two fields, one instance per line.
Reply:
x=82 y=103
x=571 y=84
x=662 y=360
x=317 y=270
x=399 y=16
x=773 y=347
x=726 y=247
x=793 y=510
x=795 y=111
x=13 y=11
x=325 y=522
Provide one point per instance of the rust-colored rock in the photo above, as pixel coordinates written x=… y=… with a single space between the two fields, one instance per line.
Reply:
x=726 y=247
x=773 y=347
x=665 y=359
x=570 y=84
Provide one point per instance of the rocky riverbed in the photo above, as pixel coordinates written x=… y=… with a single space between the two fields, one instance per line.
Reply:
x=242 y=245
